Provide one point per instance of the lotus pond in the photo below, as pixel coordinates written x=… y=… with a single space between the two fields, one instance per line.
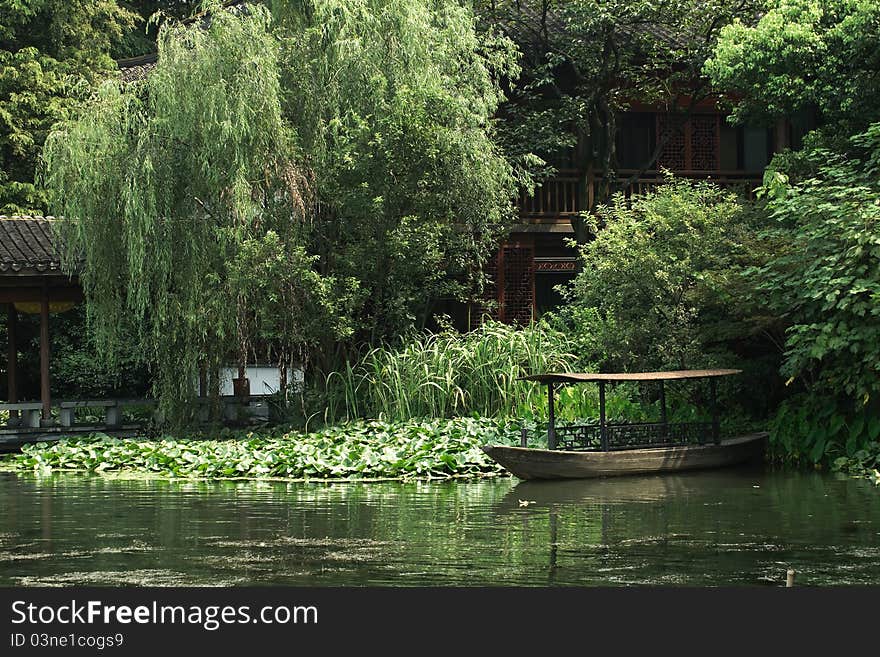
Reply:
x=725 y=527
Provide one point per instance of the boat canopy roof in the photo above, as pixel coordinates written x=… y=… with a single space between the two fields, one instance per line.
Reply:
x=583 y=377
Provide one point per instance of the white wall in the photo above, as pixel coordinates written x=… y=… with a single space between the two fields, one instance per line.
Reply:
x=265 y=379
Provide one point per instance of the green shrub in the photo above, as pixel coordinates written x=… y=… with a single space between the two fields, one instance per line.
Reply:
x=657 y=286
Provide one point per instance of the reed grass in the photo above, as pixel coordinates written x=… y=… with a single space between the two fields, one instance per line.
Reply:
x=451 y=374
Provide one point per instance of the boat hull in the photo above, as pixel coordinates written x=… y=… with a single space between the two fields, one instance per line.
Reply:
x=527 y=463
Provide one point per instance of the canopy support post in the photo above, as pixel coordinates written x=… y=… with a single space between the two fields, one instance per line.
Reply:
x=716 y=429
x=551 y=417
x=603 y=428
x=44 y=358
x=663 y=419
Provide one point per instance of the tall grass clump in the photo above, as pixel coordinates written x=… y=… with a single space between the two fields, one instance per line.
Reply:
x=449 y=374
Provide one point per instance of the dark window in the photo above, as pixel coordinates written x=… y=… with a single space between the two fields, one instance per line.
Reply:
x=546 y=296
x=729 y=147
x=635 y=139
x=756 y=148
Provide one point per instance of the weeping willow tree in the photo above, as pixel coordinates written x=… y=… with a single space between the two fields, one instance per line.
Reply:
x=304 y=183
x=170 y=186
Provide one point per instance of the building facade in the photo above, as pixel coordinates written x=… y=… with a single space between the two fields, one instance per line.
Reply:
x=538 y=255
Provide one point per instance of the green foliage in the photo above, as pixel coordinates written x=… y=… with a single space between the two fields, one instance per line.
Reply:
x=393 y=103
x=804 y=55
x=50 y=53
x=77 y=368
x=259 y=191
x=824 y=279
x=169 y=187
x=812 y=428
x=658 y=286
x=825 y=275
x=585 y=61
x=864 y=463
x=437 y=449
x=449 y=374
x=141 y=40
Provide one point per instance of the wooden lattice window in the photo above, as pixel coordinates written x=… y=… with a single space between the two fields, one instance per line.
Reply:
x=489 y=304
x=671 y=128
x=518 y=302
x=692 y=145
x=704 y=137
x=509 y=295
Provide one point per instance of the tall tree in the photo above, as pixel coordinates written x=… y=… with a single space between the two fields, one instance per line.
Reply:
x=166 y=185
x=51 y=51
x=586 y=61
x=820 y=56
x=393 y=103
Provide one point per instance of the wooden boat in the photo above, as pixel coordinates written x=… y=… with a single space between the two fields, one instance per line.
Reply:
x=612 y=449
x=530 y=463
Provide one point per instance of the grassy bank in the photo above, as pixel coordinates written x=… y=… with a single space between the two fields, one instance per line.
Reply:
x=437 y=449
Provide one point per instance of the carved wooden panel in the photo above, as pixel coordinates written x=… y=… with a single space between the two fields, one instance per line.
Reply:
x=519 y=284
x=672 y=129
x=691 y=145
x=509 y=294
x=704 y=143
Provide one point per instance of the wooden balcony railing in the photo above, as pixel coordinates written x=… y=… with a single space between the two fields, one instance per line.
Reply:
x=558 y=198
x=570 y=192
x=742 y=182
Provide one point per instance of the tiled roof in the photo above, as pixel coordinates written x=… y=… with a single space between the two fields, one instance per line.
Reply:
x=137 y=68
x=28 y=246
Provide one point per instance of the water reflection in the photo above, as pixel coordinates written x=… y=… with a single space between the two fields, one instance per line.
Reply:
x=715 y=528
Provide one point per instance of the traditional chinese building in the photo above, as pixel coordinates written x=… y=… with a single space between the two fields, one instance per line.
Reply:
x=700 y=145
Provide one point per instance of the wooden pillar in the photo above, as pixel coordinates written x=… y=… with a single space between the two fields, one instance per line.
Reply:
x=551 y=418
x=44 y=357
x=603 y=429
x=12 y=357
x=203 y=380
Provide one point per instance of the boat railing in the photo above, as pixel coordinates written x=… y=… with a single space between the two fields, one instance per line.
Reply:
x=626 y=435
x=609 y=436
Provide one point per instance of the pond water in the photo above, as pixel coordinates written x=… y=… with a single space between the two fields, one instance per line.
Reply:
x=725 y=527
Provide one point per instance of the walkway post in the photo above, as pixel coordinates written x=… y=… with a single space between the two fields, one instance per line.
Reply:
x=551 y=417
x=12 y=358
x=603 y=430
x=44 y=358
